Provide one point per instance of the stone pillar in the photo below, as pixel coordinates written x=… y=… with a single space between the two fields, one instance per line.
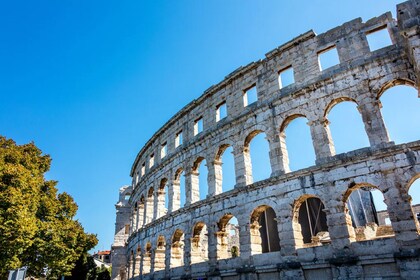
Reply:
x=160 y=202
x=140 y=211
x=215 y=177
x=137 y=265
x=212 y=246
x=186 y=252
x=195 y=250
x=283 y=154
x=222 y=245
x=400 y=213
x=174 y=196
x=131 y=222
x=373 y=121
x=192 y=189
x=135 y=224
x=276 y=155
x=321 y=138
x=255 y=238
x=167 y=259
x=148 y=216
x=146 y=263
x=289 y=229
x=339 y=224
x=159 y=259
x=243 y=166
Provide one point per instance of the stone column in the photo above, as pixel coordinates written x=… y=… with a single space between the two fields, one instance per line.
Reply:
x=148 y=216
x=339 y=224
x=159 y=259
x=192 y=189
x=373 y=121
x=215 y=177
x=321 y=139
x=135 y=223
x=255 y=238
x=222 y=245
x=400 y=213
x=174 y=196
x=276 y=155
x=212 y=246
x=160 y=202
x=243 y=166
x=137 y=265
x=283 y=154
x=186 y=252
x=140 y=212
x=289 y=235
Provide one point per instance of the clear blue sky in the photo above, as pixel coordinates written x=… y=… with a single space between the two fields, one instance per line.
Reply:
x=90 y=81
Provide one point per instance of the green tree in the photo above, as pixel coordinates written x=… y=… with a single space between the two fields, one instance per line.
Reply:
x=37 y=226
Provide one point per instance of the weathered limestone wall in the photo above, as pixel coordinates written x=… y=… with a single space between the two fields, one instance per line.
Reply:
x=160 y=242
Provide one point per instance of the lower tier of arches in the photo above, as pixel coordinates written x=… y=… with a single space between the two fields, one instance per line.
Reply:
x=294 y=225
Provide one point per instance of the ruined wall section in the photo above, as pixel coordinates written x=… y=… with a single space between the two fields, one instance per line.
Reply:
x=361 y=76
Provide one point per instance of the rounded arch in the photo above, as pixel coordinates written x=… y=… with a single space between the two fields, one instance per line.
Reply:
x=197 y=163
x=177 y=174
x=251 y=136
x=228 y=237
x=287 y=120
x=405 y=100
x=221 y=150
x=368 y=214
x=160 y=253
x=263 y=230
x=336 y=101
x=310 y=221
x=392 y=83
x=199 y=243
x=177 y=247
x=297 y=149
x=147 y=258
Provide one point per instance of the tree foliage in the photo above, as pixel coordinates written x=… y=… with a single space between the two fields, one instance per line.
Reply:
x=37 y=225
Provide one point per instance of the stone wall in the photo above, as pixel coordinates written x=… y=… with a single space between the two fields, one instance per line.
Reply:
x=160 y=243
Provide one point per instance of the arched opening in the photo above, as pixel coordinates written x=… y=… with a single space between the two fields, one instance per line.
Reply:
x=368 y=212
x=199 y=179
x=228 y=237
x=149 y=206
x=346 y=125
x=297 y=148
x=256 y=146
x=414 y=192
x=224 y=169
x=199 y=243
x=147 y=259
x=400 y=107
x=179 y=195
x=310 y=222
x=177 y=249
x=160 y=254
x=137 y=261
x=263 y=230
x=161 y=198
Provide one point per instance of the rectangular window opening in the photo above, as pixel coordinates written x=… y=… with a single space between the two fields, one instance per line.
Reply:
x=328 y=58
x=250 y=96
x=143 y=169
x=198 y=126
x=221 y=111
x=178 y=139
x=163 y=150
x=286 y=77
x=378 y=39
x=137 y=177
x=127 y=229
x=151 y=160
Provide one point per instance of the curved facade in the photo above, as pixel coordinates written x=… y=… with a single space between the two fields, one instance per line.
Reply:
x=300 y=224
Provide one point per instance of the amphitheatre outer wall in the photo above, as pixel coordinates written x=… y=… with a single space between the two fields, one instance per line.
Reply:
x=153 y=241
